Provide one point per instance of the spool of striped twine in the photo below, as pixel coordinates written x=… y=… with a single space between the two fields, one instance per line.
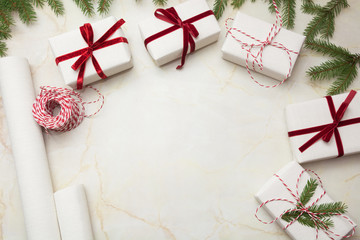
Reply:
x=61 y=109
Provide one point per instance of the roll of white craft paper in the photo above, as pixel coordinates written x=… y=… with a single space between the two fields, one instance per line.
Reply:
x=28 y=149
x=73 y=213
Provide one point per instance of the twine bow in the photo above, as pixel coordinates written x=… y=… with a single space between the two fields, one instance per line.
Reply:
x=327 y=131
x=301 y=209
x=87 y=52
x=189 y=30
x=257 y=58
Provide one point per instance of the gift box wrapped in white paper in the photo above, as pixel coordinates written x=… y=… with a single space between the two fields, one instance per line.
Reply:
x=112 y=59
x=170 y=46
x=316 y=113
x=274 y=189
x=276 y=63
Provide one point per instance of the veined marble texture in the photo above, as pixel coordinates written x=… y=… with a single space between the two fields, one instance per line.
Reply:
x=176 y=154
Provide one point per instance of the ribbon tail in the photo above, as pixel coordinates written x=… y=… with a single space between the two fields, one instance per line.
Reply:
x=97 y=67
x=315 y=138
x=80 y=80
x=185 y=48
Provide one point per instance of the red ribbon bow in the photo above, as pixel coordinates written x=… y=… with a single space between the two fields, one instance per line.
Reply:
x=328 y=130
x=189 y=30
x=87 y=52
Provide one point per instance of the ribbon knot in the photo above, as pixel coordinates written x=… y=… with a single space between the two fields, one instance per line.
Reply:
x=327 y=131
x=190 y=32
x=85 y=53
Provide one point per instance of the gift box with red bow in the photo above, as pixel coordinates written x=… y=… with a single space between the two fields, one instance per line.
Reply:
x=260 y=46
x=91 y=52
x=295 y=199
x=324 y=128
x=176 y=31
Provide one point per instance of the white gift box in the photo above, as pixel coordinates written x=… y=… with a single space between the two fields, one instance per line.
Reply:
x=316 y=113
x=169 y=47
x=274 y=189
x=112 y=59
x=275 y=61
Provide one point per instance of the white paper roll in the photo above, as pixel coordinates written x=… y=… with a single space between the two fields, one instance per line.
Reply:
x=73 y=213
x=28 y=149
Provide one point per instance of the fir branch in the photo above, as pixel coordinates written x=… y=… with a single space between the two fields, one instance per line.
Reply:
x=5 y=32
x=327 y=70
x=344 y=80
x=288 y=13
x=323 y=22
x=239 y=3
x=57 y=6
x=308 y=191
x=104 y=6
x=160 y=2
x=5 y=15
x=39 y=3
x=329 y=209
x=327 y=48
x=323 y=211
x=26 y=11
x=219 y=7
x=86 y=6
x=3 y=49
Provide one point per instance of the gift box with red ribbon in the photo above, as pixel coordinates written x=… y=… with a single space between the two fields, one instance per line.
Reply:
x=176 y=31
x=295 y=199
x=324 y=128
x=92 y=52
x=260 y=46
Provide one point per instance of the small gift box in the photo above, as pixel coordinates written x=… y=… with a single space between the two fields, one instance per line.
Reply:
x=261 y=46
x=300 y=205
x=324 y=128
x=176 y=31
x=103 y=42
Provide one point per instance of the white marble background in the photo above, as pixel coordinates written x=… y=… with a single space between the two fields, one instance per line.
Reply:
x=176 y=154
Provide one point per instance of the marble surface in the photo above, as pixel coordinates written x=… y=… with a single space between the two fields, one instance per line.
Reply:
x=176 y=154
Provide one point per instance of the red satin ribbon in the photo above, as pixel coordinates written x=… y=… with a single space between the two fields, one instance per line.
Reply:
x=86 y=53
x=189 y=31
x=326 y=131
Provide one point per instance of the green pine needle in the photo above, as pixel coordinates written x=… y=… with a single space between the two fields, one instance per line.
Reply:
x=5 y=32
x=104 y=6
x=328 y=70
x=57 y=6
x=39 y=3
x=327 y=48
x=308 y=191
x=3 y=49
x=160 y=2
x=86 y=6
x=288 y=13
x=323 y=22
x=219 y=7
x=323 y=211
x=26 y=11
x=344 y=80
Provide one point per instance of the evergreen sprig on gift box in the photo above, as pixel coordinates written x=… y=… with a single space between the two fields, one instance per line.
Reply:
x=343 y=67
x=323 y=212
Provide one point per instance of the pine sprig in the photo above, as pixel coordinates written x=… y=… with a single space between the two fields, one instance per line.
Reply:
x=288 y=13
x=323 y=22
x=308 y=191
x=104 y=6
x=57 y=6
x=86 y=6
x=26 y=11
x=323 y=211
x=343 y=68
x=219 y=7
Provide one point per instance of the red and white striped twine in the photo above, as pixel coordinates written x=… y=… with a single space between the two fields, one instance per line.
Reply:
x=303 y=209
x=257 y=58
x=72 y=108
